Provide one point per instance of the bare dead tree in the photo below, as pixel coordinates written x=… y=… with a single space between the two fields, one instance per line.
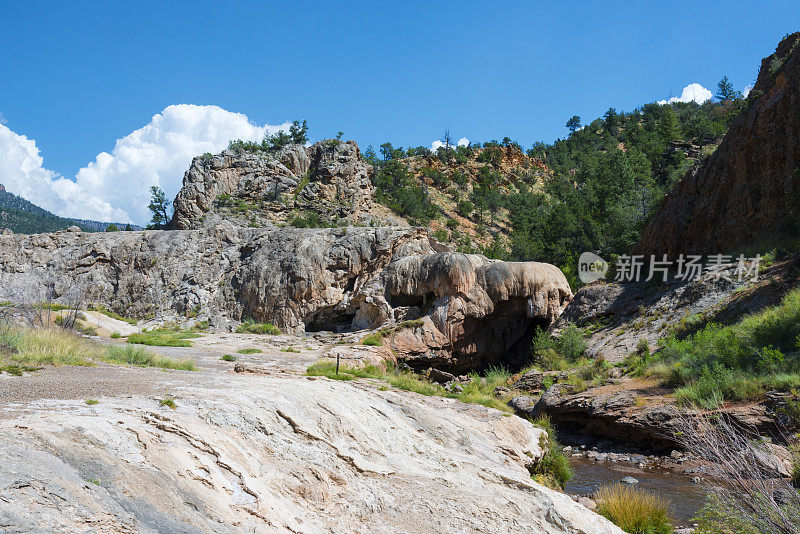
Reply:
x=447 y=138
x=744 y=476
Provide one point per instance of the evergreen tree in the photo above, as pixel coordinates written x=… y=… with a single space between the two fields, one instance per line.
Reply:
x=299 y=132
x=725 y=91
x=159 y=206
x=574 y=123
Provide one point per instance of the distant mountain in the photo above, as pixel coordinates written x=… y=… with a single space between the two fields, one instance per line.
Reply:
x=23 y=217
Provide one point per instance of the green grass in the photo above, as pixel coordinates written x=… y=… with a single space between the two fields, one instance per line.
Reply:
x=159 y=338
x=17 y=370
x=92 y=402
x=251 y=327
x=289 y=349
x=229 y=358
x=634 y=510
x=169 y=403
x=116 y=335
x=373 y=340
x=248 y=351
x=479 y=390
x=554 y=469
x=736 y=363
x=143 y=358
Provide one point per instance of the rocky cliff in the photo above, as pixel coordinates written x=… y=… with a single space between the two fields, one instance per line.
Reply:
x=457 y=311
x=328 y=180
x=748 y=191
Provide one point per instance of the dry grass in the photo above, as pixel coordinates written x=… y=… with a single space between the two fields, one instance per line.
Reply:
x=54 y=346
x=633 y=510
x=48 y=346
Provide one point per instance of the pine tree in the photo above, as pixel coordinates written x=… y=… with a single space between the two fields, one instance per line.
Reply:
x=725 y=91
x=574 y=123
x=159 y=206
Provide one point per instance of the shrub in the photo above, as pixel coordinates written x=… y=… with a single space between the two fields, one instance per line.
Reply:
x=229 y=358
x=116 y=335
x=248 y=351
x=633 y=510
x=553 y=470
x=169 y=403
x=252 y=327
x=92 y=402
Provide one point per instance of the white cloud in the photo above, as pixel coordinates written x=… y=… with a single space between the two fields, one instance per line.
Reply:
x=116 y=186
x=747 y=89
x=694 y=92
x=436 y=145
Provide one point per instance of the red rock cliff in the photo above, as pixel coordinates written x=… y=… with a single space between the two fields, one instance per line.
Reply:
x=748 y=192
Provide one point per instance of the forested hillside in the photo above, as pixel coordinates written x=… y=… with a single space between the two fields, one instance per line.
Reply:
x=593 y=191
x=23 y=217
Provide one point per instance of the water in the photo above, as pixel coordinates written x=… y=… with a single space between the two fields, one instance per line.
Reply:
x=685 y=497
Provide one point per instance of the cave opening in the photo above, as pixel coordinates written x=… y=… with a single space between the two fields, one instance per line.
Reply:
x=330 y=320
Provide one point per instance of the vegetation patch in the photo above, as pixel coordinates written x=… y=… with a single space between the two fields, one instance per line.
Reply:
x=109 y=313
x=479 y=389
x=163 y=339
x=47 y=346
x=633 y=510
x=248 y=351
x=251 y=327
x=143 y=358
x=92 y=402
x=732 y=363
x=229 y=358
x=553 y=470
x=169 y=403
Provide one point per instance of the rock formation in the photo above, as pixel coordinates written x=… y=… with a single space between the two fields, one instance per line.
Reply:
x=748 y=191
x=468 y=311
x=250 y=453
x=328 y=180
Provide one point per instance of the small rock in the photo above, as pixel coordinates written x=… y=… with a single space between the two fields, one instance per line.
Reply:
x=629 y=480
x=588 y=503
x=696 y=480
x=441 y=377
x=457 y=388
x=675 y=454
x=73 y=229
x=239 y=368
x=499 y=391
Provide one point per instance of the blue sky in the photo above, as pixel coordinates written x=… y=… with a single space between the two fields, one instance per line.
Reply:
x=76 y=77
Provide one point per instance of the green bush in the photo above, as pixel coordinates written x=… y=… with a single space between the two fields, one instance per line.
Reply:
x=228 y=358
x=738 y=362
x=554 y=469
x=248 y=351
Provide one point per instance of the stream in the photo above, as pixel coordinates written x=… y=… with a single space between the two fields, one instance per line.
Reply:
x=684 y=496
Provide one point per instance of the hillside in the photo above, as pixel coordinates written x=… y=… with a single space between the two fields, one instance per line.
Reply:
x=594 y=190
x=24 y=217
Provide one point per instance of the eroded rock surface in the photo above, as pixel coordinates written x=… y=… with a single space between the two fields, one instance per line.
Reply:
x=453 y=310
x=328 y=180
x=264 y=454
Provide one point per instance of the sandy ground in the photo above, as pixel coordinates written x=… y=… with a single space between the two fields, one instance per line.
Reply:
x=108 y=380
